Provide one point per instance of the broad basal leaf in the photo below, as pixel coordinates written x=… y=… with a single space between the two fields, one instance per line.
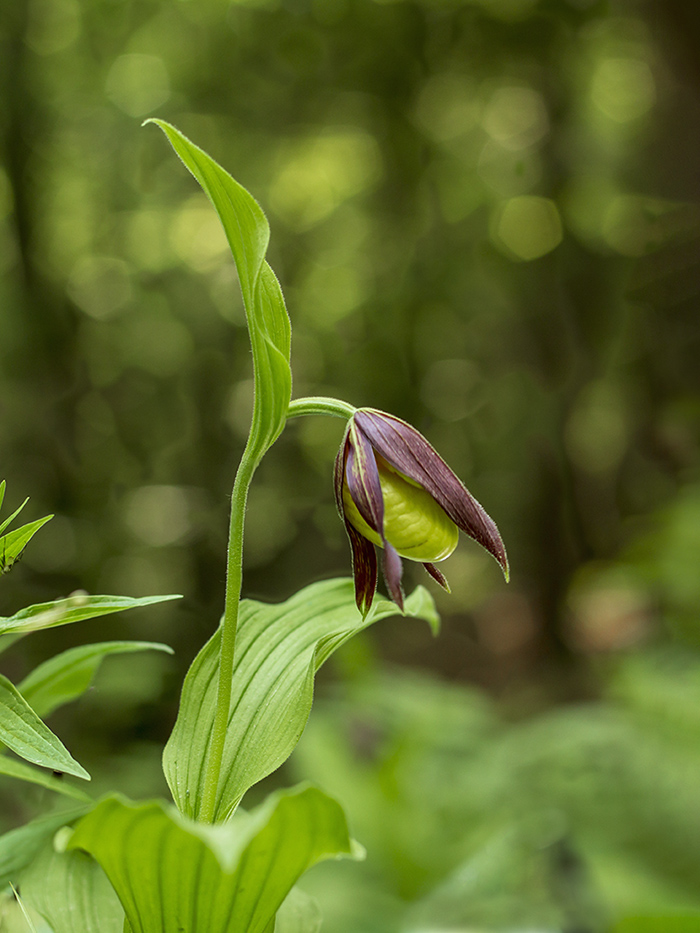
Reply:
x=24 y=772
x=19 y=846
x=278 y=651
x=67 y=675
x=72 y=893
x=176 y=876
x=248 y=234
x=24 y=732
x=74 y=608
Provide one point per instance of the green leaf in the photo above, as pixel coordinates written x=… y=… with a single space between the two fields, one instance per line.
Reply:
x=279 y=648
x=30 y=738
x=248 y=234
x=24 y=772
x=299 y=913
x=19 y=846
x=72 y=893
x=12 y=544
x=14 y=515
x=174 y=875
x=69 y=674
x=74 y=608
x=2 y=492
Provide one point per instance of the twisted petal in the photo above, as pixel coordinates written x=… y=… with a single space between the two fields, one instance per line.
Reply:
x=364 y=568
x=438 y=575
x=362 y=477
x=409 y=452
x=393 y=571
x=364 y=558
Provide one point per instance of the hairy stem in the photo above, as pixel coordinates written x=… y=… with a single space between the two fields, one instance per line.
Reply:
x=318 y=405
x=229 y=625
x=234 y=579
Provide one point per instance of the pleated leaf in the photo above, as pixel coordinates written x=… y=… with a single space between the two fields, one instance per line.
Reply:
x=72 y=893
x=248 y=234
x=279 y=648
x=29 y=737
x=75 y=608
x=19 y=847
x=176 y=876
x=68 y=675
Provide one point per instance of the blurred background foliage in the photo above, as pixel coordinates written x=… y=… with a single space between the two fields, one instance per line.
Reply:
x=484 y=218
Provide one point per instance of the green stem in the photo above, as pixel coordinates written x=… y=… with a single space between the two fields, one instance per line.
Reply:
x=234 y=579
x=229 y=625
x=318 y=405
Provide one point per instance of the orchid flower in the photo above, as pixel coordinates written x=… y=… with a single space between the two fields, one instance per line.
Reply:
x=394 y=490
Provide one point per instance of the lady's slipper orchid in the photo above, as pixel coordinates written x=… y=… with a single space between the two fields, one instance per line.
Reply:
x=395 y=491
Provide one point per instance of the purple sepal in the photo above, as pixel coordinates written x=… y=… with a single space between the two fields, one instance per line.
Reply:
x=407 y=451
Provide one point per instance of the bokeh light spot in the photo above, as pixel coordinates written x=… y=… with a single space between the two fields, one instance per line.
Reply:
x=529 y=227
x=100 y=285
x=137 y=84
x=596 y=432
x=319 y=173
x=52 y=26
x=158 y=515
x=448 y=106
x=623 y=88
x=515 y=117
x=452 y=389
x=198 y=237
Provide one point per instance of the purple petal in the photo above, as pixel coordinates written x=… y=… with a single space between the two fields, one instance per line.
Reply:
x=339 y=472
x=438 y=575
x=393 y=571
x=407 y=451
x=362 y=477
x=364 y=568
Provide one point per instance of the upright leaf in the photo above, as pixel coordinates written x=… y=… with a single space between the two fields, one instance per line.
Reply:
x=279 y=649
x=72 y=893
x=30 y=738
x=67 y=675
x=176 y=876
x=248 y=234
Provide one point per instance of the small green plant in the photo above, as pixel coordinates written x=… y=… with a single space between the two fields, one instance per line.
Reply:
x=202 y=863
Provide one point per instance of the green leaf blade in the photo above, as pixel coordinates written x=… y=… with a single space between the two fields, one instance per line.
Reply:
x=24 y=772
x=19 y=846
x=279 y=649
x=22 y=731
x=172 y=874
x=75 y=608
x=12 y=544
x=72 y=893
x=248 y=234
x=69 y=674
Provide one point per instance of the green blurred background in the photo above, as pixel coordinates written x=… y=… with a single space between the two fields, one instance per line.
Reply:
x=484 y=219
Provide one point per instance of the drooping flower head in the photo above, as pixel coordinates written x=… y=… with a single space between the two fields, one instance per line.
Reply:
x=395 y=491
